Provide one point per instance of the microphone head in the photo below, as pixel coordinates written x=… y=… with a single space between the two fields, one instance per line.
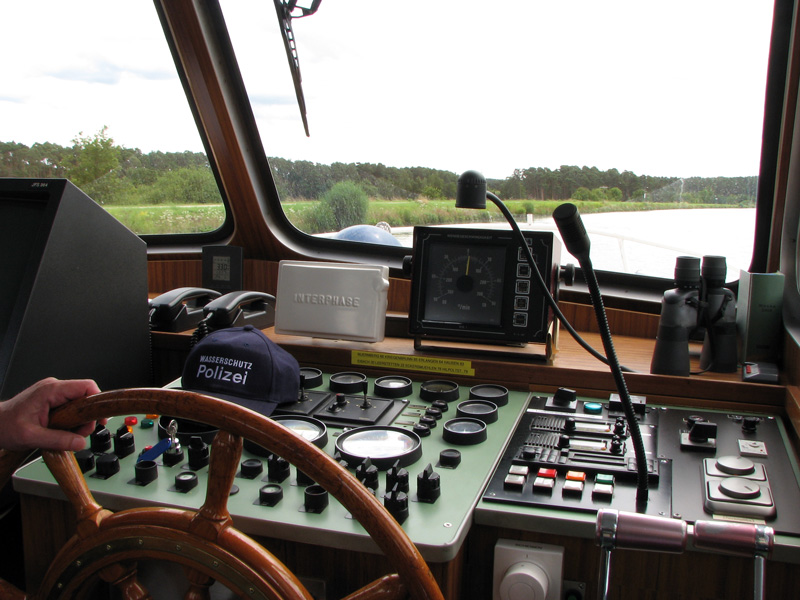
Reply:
x=471 y=190
x=573 y=233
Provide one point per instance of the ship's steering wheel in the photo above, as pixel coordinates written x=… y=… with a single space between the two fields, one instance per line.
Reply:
x=107 y=545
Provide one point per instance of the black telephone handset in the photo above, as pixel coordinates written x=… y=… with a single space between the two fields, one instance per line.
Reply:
x=237 y=309
x=180 y=309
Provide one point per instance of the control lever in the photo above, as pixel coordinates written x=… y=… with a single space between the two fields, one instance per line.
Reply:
x=738 y=539
x=634 y=531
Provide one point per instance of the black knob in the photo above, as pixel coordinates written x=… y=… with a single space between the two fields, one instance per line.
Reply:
x=100 y=440
x=85 y=460
x=367 y=473
x=428 y=485
x=173 y=455
x=565 y=396
x=106 y=465
x=563 y=441
x=440 y=404
x=277 y=468
x=185 y=481
x=427 y=420
x=270 y=494
x=450 y=458
x=702 y=431
x=145 y=471
x=434 y=412
x=616 y=445
x=422 y=429
x=251 y=468
x=566 y=274
x=396 y=502
x=339 y=402
x=124 y=443
x=397 y=477
x=692 y=419
x=316 y=499
x=570 y=424
x=750 y=424
x=198 y=453
x=619 y=427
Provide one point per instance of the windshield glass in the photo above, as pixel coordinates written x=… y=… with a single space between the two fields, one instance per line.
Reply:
x=626 y=108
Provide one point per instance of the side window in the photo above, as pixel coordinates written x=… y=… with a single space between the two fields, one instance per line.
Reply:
x=94 y=97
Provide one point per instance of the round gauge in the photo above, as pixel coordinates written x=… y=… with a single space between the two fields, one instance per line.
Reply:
x=348 y=382
x=494 y=393
x=309 y=428
x=467 y=281
x=439 y=389
x=393 y=386
x=310 y=377
x=483 y=410
x=465 y=431
x=383 y=445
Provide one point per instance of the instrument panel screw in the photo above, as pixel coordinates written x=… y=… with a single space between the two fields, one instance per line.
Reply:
x=141 y=542
x=215 y=564
x=78 y=563
x=252 y=591
x=178 y=547
x=448 y=524
x=108 y=547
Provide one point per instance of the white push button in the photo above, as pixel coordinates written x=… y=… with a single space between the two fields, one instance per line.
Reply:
x=736 y=487
x=735 y=465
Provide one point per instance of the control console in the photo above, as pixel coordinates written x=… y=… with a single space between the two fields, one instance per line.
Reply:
x=439 y=455
x=576 y=454
x=426 y=450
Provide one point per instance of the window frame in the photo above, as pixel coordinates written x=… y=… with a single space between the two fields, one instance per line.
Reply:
x=217 y=97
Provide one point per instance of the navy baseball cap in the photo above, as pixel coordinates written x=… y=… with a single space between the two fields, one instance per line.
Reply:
x=242 y=365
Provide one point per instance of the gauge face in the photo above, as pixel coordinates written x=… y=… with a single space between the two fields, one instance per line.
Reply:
x=465 y=284
x=308 y=428
x=384 y=446
x=393 y=386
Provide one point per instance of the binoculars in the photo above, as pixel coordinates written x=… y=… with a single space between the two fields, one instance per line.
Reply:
x=698 y=303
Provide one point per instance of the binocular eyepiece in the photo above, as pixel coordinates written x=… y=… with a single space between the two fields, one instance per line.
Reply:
x=699 y=302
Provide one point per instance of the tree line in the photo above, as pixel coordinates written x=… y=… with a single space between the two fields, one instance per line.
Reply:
x=113 y=174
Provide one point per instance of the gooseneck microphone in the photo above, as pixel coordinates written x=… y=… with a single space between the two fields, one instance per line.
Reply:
x=471 y=192
x=573 y=233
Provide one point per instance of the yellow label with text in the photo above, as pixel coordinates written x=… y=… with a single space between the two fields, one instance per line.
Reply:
x=428 y=364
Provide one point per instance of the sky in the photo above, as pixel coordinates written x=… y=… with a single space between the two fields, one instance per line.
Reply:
x=658 y=88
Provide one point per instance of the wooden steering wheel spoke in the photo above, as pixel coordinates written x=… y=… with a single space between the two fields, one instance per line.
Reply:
x=65 y=469
x=213 y=516
x=108 y=545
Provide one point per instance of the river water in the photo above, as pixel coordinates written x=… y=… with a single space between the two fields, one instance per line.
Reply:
x=647 y=242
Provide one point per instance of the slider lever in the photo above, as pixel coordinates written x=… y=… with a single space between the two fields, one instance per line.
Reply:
x=634 y=531
x=738 y=539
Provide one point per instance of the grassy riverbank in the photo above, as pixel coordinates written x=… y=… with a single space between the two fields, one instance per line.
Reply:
x=162 y=219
